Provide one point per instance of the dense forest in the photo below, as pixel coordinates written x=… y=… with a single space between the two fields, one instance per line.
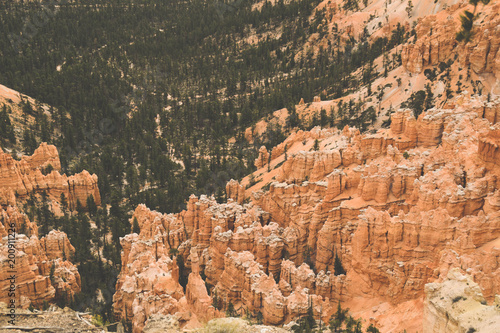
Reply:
x=147 y=94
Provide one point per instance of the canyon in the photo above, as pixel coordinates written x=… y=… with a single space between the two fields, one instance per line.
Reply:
x=403 y=207
x=399 y=223
x=400 y=208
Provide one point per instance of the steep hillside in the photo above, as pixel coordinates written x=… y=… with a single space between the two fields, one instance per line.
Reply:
x=432 y=61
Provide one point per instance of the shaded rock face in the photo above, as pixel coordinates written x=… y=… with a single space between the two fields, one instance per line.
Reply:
x=433 y=44
x=457 y=305
x=235 y=191
x=396 y=222
x=31 y=175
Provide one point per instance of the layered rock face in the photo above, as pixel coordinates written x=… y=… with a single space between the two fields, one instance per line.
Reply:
x=489 y=147
x=399 y=208
x=150 y=282
x=31 y=175
x=431 y=47
x=457 y=305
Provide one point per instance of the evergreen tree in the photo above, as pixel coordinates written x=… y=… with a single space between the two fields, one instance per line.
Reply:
x=323 y=120
x=91 y=205
x=63 y=201
x=230 y=311
x=316 y=145
x=429 y=97
x=293 y=118
x=135 y=226
x=372 y=329
x=467 y=21
x=409 y=8
x=337 y=320
x=6 y=127
x=260 y=318
x=216 y=300
x=29 y=142
x=337 y=266
x=351 y=5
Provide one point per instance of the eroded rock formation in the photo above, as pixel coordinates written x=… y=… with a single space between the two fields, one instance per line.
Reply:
x=400 y=208
x=41 y=265
x=397 y=209
x=40 y=172
x=435 y=42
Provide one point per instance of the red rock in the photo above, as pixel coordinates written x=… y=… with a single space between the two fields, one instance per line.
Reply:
x=489 y=147
x=263 y=158
x=25 y=177
x=235 y=191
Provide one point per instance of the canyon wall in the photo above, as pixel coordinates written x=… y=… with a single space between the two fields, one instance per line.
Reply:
x=335 y=215
x=434 y=45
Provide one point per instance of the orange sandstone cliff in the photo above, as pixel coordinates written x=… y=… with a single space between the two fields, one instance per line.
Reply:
x=40 y=265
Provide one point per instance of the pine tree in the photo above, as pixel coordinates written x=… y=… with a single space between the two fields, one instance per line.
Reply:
x=260 y=318
x=6 y=128
x=351 y=5
x=429 y=98
x=338 y=319
x=64 y=202
x=310 y=321
x=91 y=205
x=230 y=311
x=215 y=300
x=316 y=145
x=135 y=226
x=29 y=141
x=372 y=329
x=323 y=119
x=467 y=20
x=337 y=266
x=409 y=8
